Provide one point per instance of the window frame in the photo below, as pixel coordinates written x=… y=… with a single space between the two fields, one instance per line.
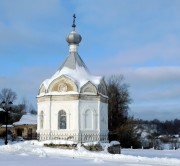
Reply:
x=62 y=120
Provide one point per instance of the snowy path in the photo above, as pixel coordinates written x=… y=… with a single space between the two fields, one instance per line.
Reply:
x=31 y=153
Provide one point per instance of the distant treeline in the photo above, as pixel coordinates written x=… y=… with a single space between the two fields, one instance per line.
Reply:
x=168 y=127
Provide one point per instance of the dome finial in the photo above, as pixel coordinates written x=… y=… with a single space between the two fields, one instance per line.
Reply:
x=74 y=25
x=73 y=38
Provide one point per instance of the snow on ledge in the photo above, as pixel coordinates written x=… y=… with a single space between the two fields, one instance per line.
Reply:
x=114 y=143
x=58 y=93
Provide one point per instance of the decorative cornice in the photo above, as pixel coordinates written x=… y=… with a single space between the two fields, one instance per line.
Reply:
x=72 y=97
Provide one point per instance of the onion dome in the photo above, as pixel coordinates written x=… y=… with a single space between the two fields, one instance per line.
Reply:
x=73 y=75
x=73 y=37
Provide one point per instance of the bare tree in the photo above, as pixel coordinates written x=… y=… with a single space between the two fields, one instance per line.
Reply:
x=24 y=104
x=32 y=109
x=121 y=126
x=119 y=100
x=8 y=95
x=127 y=134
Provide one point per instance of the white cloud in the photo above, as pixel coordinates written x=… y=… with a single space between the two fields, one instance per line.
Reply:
x=162 y=52
x=167 y=112
x=156 y=74
x=26 y=83
x=155 y=90
x=31 y=25
x=29 y=10
x=154 y=81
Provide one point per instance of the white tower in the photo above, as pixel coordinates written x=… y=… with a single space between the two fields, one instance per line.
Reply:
x=73 y=104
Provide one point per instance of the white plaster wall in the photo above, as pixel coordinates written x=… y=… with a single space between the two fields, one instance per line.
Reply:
x=75 y=117
x=103 y=118
x=71 y=109
x=93 y=106
x=51 y=110
x=45 y=107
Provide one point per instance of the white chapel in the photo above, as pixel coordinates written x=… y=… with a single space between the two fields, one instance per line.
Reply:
x=73 y=103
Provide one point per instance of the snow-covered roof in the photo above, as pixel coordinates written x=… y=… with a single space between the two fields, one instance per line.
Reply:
x=76 y=70
x=9 y=126
x=27 y=119
x=72 y=61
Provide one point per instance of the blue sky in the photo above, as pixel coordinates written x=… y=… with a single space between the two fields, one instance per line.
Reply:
x=137 y=38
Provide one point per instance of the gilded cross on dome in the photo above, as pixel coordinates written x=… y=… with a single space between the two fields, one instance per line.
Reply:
x=74 y=17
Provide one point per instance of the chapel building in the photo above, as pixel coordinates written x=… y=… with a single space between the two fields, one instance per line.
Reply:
x=73 y=103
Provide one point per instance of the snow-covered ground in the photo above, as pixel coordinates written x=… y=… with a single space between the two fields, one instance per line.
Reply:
x=31 y=153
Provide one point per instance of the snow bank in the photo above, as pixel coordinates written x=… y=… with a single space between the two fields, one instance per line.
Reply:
x=128 y=156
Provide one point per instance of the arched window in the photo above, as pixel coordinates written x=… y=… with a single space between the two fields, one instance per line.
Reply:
x=62 y=119
x=89 y=119
x=41 y=120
